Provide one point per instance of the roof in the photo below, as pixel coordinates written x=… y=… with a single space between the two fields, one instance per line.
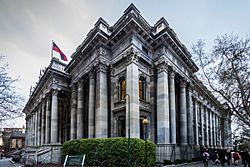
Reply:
x=17 y=134
x=131 y=19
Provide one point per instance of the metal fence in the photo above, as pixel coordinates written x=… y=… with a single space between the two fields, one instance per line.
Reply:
x=174 y=152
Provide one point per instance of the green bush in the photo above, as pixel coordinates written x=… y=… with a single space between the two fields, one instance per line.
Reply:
x=112 y=150
x=167 y=162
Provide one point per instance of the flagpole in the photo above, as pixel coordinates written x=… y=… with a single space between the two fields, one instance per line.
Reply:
x=52 y=50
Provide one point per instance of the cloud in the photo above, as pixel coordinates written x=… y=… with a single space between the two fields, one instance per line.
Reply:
x=27 y=27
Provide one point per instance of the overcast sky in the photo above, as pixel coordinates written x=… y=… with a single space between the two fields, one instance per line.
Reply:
x=27 y=27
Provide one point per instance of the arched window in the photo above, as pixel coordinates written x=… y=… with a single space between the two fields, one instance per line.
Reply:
x=122 y=88
x=142 y=89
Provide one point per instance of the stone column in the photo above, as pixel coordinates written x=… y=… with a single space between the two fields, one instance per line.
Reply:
x=207 y=119
x=183 y=112
x=27 y=132
x=79 y=131
x=202 y=125
x=196 y=123
x=101 y=117
x=211 y=128
x=132 y=89
x=35 y=128
x=172 y=107
x=39 y=125
x=54 y=117
x=91 y=126
x=163 y=122
x=153 y=105
x=73 y=112
x=43 y=122
x=215 y=130
x=30 y=130
x=48 y=119
x=190 y=117
x=27 y=137
x=220 y=131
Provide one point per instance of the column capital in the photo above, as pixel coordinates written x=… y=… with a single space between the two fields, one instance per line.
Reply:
x=152 y=71
x=101 y=66
x=80 y=82
x=54 y=92
x=73 y=87
x=132 y=55
x=91 y=74
x=162 y=67
x=183 y=82
x=172 y=72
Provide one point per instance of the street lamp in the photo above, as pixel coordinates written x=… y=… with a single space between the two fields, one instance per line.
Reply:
x=129 y=149
x=145 y=122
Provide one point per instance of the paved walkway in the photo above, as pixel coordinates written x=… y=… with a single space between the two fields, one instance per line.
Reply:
x=6 y=162
x=200 y=164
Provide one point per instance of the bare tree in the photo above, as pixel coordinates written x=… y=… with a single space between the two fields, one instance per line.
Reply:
x=226 y=72
x=10 y=100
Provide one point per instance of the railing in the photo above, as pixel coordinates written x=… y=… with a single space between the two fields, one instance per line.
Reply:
x=165 y=152
x=172 y=152
x=43 y=155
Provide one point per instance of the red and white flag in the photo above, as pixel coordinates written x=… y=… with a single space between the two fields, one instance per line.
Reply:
x=57 y=49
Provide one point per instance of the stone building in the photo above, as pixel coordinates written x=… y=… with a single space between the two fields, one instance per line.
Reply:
x=130 y=70
x=12 y=139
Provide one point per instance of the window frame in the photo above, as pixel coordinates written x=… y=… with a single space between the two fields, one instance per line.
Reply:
x=142 y=89
x=122 y=91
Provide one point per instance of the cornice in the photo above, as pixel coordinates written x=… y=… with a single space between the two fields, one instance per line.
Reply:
x=202 y=90
x=93 y=39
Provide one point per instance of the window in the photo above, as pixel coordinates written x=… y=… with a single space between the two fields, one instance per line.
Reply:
x=122 y=88
x=142 y=89
x=122 y=127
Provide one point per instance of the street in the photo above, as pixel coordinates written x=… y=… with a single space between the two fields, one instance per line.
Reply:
x=5 y=162
x=210 y=165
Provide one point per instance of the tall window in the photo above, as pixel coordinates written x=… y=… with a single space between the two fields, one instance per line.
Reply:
x=122 y=127
x=142 y=89
x=122 y=88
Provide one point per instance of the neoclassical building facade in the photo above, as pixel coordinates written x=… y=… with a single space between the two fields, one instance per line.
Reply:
x=128 y=71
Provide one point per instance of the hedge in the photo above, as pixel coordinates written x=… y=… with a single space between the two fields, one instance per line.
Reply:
x=113 y=151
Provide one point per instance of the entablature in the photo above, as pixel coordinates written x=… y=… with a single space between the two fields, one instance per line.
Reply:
x=165 y=57
x=100 y=54
x=53 y=77
x=98 y=37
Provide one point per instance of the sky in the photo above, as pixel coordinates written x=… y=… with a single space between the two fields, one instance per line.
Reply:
x=27 y=27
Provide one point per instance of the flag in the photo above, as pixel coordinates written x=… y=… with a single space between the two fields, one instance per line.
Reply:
x=57 y=49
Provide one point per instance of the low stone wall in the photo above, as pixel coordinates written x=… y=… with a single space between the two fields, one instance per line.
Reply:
x=173 y=152
x=47 y=154
x=48 y=165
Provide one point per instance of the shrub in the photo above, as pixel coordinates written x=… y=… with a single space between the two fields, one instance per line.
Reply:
x=167 y=162
x=112 y=150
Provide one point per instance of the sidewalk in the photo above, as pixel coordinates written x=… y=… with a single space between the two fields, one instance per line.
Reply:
x=17 y=164
x=191 y=164
x=200 y=164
